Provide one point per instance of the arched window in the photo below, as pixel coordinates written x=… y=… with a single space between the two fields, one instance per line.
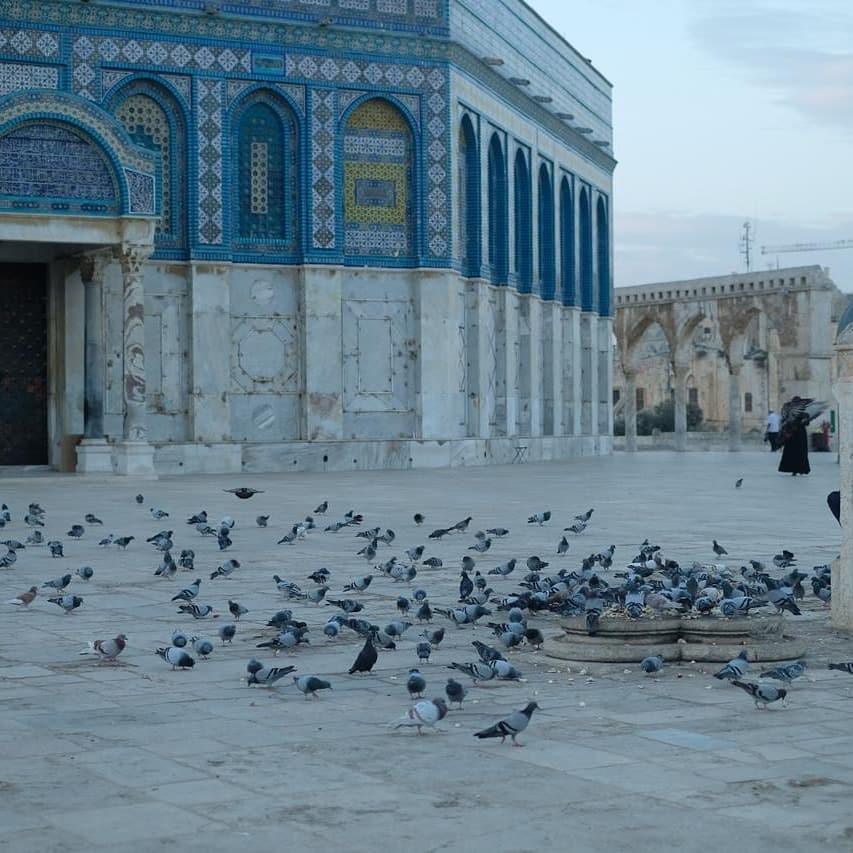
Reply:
x=523 y=225
x=567 y=243
x=587 y=284
x=154 y=120
x=498 y=219
x=602 y=227
x=267 y=180
x=379 y=204
x=547 y=262
x=468 y=210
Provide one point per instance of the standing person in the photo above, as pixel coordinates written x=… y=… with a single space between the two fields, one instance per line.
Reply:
x=773 y=426
x=795 y=444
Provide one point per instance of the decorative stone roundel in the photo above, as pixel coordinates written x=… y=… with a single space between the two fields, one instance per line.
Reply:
x=265 y=356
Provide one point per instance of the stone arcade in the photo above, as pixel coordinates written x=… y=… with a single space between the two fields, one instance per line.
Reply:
x=300 y=234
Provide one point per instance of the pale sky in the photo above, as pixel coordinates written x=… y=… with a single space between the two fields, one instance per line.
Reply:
x=723 y=111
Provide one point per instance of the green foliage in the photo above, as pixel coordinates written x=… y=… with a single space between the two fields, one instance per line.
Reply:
x=661 y=418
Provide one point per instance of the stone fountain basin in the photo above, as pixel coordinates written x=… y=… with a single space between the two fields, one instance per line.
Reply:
x=701 y=639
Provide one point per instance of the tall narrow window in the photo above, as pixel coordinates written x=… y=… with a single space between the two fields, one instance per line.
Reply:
x=640 y=398
x=547 y=261
x=567 y=243
x=379 y=207
x=468 y=210
x=523 y=225
x=747 y=402
x=498 y=220
x=693 y=396
x=266 y=176
x=587 y=284
x=154 y=120
x=604 y=283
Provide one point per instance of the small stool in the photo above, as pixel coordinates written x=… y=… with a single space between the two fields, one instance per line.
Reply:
x=520 y=454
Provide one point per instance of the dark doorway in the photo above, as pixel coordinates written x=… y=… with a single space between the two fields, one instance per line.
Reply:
x=23 y=364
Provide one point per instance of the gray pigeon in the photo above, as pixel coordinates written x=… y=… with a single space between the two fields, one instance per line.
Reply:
x=539 y=517
x=259 y=674
x=197 y=611
x=424 y=651
x=415 y=684
x=651 y=664
x=262 y=520
x=763 y=694
x=188 y=593
x=786 y=673
x=107 y=650
x=236 y=609
x=504 y=670
x=455 y=692
x=735 y=668
x=510 y=726
x=202 y=647
x=178 y=658
x=85 y=573
x=179 y=638
x=478 y=670
x=67 y=602
x=60 y=583
x=227 y=633
x=310 y=684
x=427 y=712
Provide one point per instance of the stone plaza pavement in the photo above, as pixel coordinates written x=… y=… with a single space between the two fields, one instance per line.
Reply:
x=136 y=757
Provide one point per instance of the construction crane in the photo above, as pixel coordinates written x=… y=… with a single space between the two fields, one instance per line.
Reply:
x=807 y=247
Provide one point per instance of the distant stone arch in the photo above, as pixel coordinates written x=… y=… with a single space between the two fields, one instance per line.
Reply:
x=468 y=193
x=498 y=220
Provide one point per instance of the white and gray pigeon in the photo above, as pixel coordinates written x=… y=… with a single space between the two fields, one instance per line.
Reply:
x=197 y=611
x=510 y=726
x=786 y=673
x=308 y=685
x=266 y=676
x=85 y=573
x=107 y=650
x=735 y=668
x=763 y=694
x=68 y=603
x=188 y=593
x=178 y=658
x=427 y=713
x=478 y=671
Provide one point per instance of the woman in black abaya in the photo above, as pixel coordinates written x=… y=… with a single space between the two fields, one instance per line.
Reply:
x=795 y=443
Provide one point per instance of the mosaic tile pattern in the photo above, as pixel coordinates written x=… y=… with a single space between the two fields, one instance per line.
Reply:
x=323 y=168
x=378 y=189
x=261 y=174
x=16 y=75
x=208 y=116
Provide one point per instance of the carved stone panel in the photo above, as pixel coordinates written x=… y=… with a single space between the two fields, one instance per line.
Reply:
x=265 y=356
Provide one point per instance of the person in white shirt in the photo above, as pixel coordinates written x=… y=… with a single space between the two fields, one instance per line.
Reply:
x=772 y=434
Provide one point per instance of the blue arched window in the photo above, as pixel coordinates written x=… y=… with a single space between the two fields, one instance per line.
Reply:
x=154 y=120
x=603 y=259
x=547 y=261
x=523 y=225
x=498 y=220
x=469 y=199
x=587 y=284
x=267 y=183
x=567 y=243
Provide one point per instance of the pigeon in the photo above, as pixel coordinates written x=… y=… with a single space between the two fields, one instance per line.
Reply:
x=735 y=668
x=540 y=517
x=320 y=576
x=504 y=569
x=585 y=516
x=578 y=527
x=85 y=573
x=8 y=559
x=237 y=610
x=497 y=532
x=259 y=674
x=178 y=658
x=188 y=593
x=89 y=518
x=562 y=546
x=226 y=633
x=846 y=666
x=58 y=584
x=786 y=673
x=419 y=518
x=403 y=604
x=179 y=638
x=439 y=533
x=487 y=653
x=158 y=513
x=510 y=726
x=414 y=554
x=55 y=549
x=262 y=520
x=651 y=664
x=348 y=605
x=481 y=547
x=415 y=684
x=25 y=599
x=33 y=520
x=478 y=671
x=738 y=482
x=37 y=538
x=427 y=712
x=243 y=492
x=107 y=650
x=504 y=670
x=424 y=613
x=462 y=526
x=308 y=685
x=763 y=694
x=433 y=563
x=224 y=541
x=434 y=637
x=140 y=499
x=718 y=549
x=359 y=584
x=397 y=629
x=202 y=647
x=124 y=541
x=168 y=568
x=226 y=569
x=535 y=637
x=366 y=659
x=455 y=692
x=197 y=611
x=321 y=508
x=67 y=602
x=424 y=650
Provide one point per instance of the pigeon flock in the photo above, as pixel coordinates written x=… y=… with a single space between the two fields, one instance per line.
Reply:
x=505 y=605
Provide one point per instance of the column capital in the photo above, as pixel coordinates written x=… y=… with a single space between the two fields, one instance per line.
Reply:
x=133 y=256
x=92 y=266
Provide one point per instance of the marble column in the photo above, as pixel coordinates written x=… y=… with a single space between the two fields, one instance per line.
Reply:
x=842 y=568
x=534 y=365
x=134 y=455
x=93 y=452
x=735 y=415
x=681 y=372
x=630 y=409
